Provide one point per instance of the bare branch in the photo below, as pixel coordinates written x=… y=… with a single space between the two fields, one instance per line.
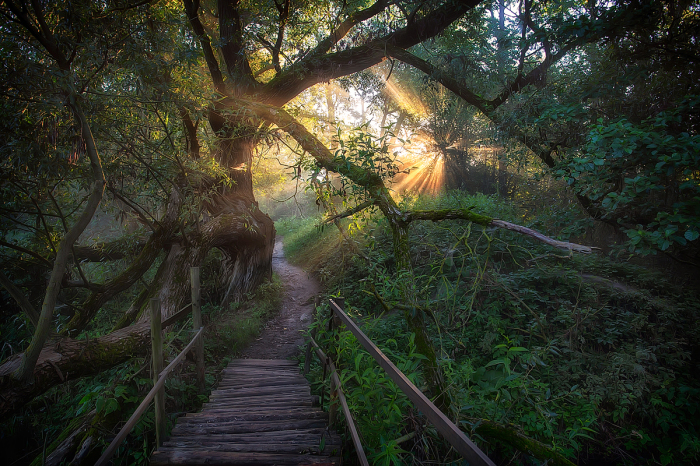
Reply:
x=21 y=299
x=284 y=16
x=41 y=259
x=345 y=27
x=466 y=214
x=349 y=212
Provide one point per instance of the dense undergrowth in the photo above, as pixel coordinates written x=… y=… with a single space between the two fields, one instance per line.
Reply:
x=595 y=358
x=103 y=402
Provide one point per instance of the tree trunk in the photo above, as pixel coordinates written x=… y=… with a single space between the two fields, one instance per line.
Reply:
x=248 y=257
x=414 y=316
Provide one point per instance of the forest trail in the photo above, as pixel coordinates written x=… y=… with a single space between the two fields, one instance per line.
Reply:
x=282 y=335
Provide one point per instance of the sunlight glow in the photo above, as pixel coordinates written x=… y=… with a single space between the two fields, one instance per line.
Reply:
x=425 y=165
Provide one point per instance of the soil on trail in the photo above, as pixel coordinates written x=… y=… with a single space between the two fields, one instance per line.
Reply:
x=282 y=336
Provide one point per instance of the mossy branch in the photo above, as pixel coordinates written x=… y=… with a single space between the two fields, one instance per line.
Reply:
x=512 y=436
x=466 y=214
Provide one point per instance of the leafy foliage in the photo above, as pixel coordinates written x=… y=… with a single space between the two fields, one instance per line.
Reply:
x=589 y=356
x=646 y=171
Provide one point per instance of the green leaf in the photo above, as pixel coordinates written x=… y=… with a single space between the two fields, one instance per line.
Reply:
x=691 y=235
x=111 y=405
x=518 y=349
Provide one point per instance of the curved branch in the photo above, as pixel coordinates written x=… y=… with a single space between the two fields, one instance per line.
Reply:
x=276 y=49
x=134 y=272
x=345 y=27
x=317 y=68
x=374 y=184
x=466 y=214
x=192 y=12
x=40 y=258
x=443 y=78
x=349 y=212
x=44 y=36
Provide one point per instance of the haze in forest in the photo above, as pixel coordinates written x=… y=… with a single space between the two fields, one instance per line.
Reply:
x=505 y=193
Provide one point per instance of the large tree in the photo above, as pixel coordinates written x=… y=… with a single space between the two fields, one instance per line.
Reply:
x=91 y=53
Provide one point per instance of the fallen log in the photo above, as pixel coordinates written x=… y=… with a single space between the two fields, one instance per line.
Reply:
x=63 y=359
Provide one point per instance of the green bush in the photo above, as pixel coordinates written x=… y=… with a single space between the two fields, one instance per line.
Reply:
x=590 y=356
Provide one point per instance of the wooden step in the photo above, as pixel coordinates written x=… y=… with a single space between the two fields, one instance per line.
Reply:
x=202 y=418
x=298 y=448
x=247 y=426
x=186 y=457
x=282 y=436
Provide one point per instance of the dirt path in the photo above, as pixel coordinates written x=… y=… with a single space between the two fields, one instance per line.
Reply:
x=282 y=336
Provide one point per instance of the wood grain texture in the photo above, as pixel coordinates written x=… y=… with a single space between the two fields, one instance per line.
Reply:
x=261 y=413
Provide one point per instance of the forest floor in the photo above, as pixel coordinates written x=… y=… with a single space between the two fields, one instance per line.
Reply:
x=282 y=335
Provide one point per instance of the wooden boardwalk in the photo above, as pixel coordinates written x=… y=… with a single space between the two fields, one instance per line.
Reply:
x=261 y=414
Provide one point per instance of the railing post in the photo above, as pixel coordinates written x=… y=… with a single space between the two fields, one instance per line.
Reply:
x=157 y=365
x=332 y=403
x=333 y=395
x=334 y=318
x=314 y=315
x=197 y=324
x=307 y=356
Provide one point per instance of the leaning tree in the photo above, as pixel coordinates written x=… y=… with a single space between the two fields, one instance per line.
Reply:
x=257 y=56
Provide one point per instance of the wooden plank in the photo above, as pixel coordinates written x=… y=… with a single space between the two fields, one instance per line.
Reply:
x=255 y=410
x=233 y=375
x=188 y=457
x=447 y=428
x=291 y=448
x=281 y=385
x=255 y=371
x=263 y=382
x=268 y=400
x=260 y=391
x=264 y=376
x=278 y=436
x=263 y=362
x=249 y=426
x=258 y=416
x=242 y=404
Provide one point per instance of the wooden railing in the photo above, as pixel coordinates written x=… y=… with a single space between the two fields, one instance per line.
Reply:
x=157 y=393
x=442 y=423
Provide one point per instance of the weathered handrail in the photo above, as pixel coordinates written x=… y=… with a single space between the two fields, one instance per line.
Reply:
x=126 y=429
x=159 y=374
x=335 y=383
x=442 y=423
